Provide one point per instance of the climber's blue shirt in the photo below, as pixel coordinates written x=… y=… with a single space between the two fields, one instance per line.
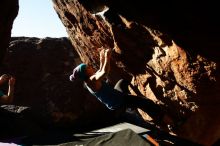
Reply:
x=109 y=96
x=1 y=93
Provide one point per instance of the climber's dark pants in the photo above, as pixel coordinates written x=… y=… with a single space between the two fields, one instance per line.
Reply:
x=143 y=103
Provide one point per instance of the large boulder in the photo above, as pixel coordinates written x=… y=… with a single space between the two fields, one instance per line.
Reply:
x=171 y=59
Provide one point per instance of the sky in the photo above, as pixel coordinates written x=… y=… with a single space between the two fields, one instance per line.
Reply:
x=37 y=18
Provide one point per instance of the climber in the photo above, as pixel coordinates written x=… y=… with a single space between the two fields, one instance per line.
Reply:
x=7 y=99
x=117 y=97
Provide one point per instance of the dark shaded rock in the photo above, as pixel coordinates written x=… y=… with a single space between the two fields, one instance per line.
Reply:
x=8 y=12
x=15 y=124
x=42 y=68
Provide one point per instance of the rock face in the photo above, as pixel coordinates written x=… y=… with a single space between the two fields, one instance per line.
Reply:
x=42 y=68
x=171 y=59
x=8 y=12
